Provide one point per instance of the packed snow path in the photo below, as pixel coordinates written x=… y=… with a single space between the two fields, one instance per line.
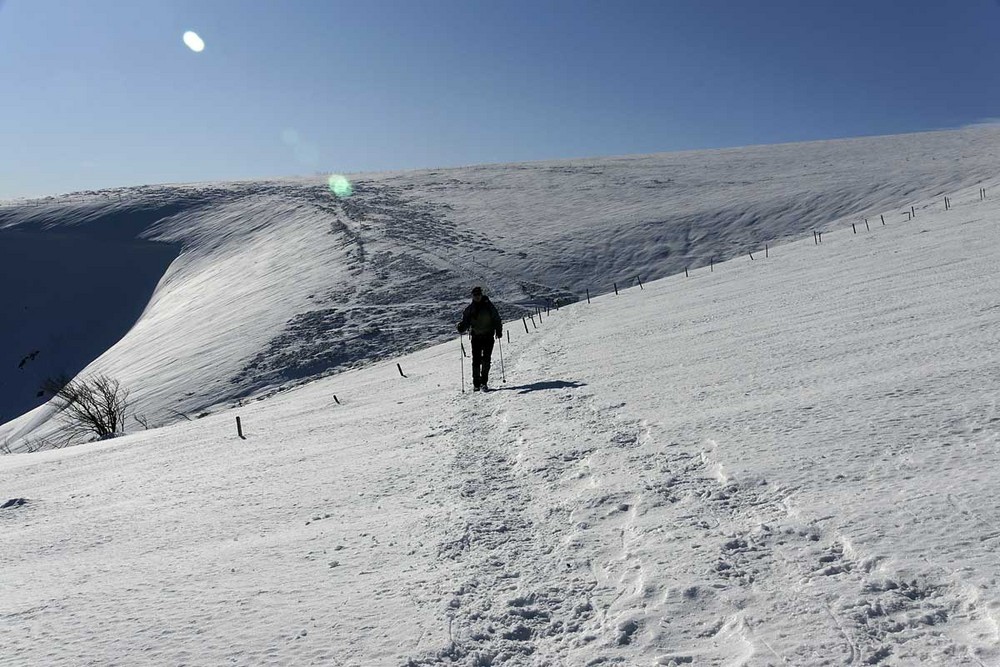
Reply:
x=788 y=461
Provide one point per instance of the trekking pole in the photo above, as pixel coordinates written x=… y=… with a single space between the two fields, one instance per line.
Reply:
x=461 y=344
x=503 y=373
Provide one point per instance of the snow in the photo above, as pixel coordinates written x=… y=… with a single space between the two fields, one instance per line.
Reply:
x=785 y=460
x=256 y=287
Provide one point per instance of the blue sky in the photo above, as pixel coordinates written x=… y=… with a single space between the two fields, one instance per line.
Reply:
x=100 y=93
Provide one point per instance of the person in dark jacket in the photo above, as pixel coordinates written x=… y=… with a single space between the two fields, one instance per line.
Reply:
x=483 y=321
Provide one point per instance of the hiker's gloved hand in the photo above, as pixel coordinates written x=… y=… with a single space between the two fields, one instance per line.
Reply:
x=499 y=335
x=459 y=327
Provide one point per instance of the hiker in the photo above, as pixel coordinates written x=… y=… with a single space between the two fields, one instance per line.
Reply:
x=482 y=318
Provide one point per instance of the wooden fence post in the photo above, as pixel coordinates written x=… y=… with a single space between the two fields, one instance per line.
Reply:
x=525 y=323
x=239 y=429
x=883 y=218
x=400 y=369
x=616 y=289
x=588 y=296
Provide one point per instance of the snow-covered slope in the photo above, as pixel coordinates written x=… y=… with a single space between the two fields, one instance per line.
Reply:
x=789 y=460
x=272 y=283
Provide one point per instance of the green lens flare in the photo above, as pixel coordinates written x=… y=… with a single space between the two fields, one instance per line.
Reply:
x=340 y=186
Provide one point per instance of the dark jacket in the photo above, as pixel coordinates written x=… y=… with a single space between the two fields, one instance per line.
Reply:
x=482 y=318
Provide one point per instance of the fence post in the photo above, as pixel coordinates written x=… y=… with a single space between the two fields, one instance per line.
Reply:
x=866 y=225
x=400 y=369
x=854 y=228
x=913 y=212
x=751 y=257
x=640 y=282
x=711 y=265
x=239 y=429
x=588 y=296
x=525 y=323
x=815 y=239
x=765 y=251
x=616 y=289
x=883 y=218
x=686 y=272
x=337 y=401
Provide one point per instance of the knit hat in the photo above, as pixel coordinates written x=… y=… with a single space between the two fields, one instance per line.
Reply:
x=477 y=291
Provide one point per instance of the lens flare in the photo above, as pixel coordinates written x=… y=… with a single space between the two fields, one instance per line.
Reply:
x=340 y=186
x=194 y=42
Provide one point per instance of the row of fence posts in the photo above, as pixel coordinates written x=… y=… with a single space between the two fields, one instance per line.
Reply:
x=537 y=312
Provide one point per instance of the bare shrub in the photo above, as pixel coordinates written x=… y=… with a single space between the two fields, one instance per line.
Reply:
x=96 y=405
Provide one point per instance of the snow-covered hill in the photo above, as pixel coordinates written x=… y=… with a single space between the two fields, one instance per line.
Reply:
x=789 y=460
x=199 y=296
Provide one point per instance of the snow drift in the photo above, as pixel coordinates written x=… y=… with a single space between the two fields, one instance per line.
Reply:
x=232 y=291
x=789 y=460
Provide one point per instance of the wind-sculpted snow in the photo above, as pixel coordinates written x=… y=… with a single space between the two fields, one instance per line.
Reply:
x=274 y=283
x=785 y=461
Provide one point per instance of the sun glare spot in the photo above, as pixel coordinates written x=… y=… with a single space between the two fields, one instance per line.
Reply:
x=340 y=186
x=194 y=42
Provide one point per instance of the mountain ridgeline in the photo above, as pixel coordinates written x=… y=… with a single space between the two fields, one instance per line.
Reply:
x=199 y=296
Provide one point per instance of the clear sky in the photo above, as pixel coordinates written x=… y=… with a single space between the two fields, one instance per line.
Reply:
x=100 y=93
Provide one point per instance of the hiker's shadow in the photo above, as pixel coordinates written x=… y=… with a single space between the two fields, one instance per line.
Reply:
x=543 y=386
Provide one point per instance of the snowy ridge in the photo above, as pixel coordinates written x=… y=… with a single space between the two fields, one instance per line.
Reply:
x=273 y=283
x=781 y=461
